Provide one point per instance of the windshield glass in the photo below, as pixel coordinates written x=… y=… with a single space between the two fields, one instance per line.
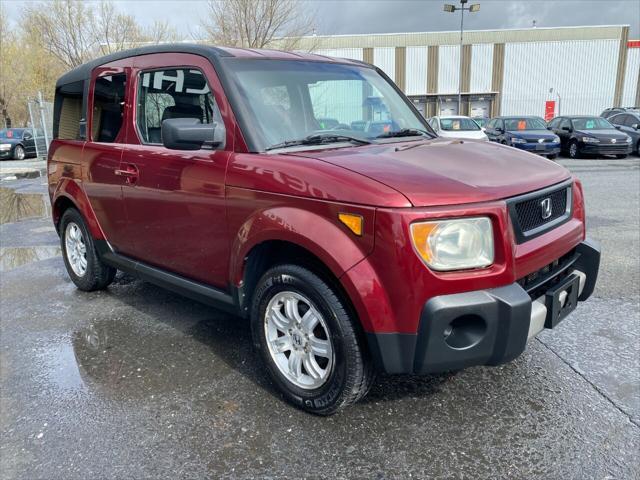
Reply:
x=458 y=124
x=286 y=100
x=481 y=121
x=10 y=133
x=524 y=124
x=595 y=123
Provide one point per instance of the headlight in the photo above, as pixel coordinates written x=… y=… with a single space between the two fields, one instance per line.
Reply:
x=590 y=140
x=628 y=140
x=454 y=244
x=5 y=146
x=556 y=139
x=518 y=140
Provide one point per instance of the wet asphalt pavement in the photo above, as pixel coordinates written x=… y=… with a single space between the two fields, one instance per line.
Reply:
x=137 y=382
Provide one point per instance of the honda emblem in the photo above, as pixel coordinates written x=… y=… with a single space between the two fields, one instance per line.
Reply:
x=546 y=208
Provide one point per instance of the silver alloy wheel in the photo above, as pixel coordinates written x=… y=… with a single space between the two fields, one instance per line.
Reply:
x=573 y=150
x=76 y=249
x=18 y=152
x=299 y=340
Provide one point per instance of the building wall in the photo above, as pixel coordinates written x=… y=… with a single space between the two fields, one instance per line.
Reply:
x=582 y=72
x=481 y=67
x=632 y=78
x=353 y=53
x=385 y=59
x=416 y=73
x=449 y=70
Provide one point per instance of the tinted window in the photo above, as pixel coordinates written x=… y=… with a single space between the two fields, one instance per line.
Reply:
x=108 y=107
x=175 y=93
x=492 y=123
x=554 y=123
x=631 y=120
x=617 y=119
x=565 y=123
x=593 y=123
x=67 y=111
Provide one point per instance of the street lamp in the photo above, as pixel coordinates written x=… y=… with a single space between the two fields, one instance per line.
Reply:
x=452 y=9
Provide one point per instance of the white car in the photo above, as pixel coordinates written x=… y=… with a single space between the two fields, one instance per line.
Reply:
x=457 y=126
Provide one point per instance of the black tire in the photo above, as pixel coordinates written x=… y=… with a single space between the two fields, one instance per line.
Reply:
x=573 y=150
x=552 y=157
x=621 y=156
x=97 y=275
x=351 y=374
x=19 y=153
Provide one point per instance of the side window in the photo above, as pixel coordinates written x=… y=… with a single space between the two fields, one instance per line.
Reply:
x=108 y=107
x=492 y=124
x=67 y=111
x=554 y=123
x=500 y=124
x=628 y=120
x=565 y=123
x=175 y=93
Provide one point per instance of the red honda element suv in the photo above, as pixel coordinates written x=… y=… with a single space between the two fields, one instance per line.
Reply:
x=308 y=195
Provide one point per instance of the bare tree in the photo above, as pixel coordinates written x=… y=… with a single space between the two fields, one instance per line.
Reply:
x=257 y=23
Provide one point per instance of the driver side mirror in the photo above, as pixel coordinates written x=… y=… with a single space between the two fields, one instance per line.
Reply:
x=567 y=129
x=499 y=130
x=191 y=134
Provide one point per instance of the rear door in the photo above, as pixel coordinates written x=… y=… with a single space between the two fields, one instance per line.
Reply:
x=175 y=200
x=29 y=143
x=106 y=134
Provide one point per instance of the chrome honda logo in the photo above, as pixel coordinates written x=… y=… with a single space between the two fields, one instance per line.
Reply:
x=546 y=208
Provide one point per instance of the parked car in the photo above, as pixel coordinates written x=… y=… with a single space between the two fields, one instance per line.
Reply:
x=456 y=126
x=608 y=112
x=583 y=135
x=17 y=144
x=381 y=248
x=525 y=133
x=628 y=123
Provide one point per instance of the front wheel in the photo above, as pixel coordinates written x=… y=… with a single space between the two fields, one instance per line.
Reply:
x=81 y=259
x=18 y=152
x=308 y=341
x=574 y=152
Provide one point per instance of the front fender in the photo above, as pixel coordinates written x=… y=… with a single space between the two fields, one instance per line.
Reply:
x=68 y=189
x=315 y=229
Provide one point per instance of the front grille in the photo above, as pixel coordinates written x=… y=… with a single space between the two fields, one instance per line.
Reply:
x=536 y=140
x=530 y=212
x=538 y=282
x=535 y=213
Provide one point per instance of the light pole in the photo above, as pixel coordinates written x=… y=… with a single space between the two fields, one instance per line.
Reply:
x=452 y=9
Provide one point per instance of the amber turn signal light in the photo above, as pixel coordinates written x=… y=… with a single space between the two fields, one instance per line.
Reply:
x=353 y=222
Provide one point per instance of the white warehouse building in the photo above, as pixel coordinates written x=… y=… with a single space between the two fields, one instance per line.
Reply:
x=504 y=72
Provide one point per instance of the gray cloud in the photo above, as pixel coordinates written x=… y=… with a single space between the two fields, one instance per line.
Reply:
x=387 y=16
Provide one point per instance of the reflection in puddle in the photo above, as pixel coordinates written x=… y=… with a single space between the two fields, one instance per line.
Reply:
x=61 y=367
x=12 y=257
x=18 y=206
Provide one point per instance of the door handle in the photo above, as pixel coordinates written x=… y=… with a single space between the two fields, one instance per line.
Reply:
x=130 y=172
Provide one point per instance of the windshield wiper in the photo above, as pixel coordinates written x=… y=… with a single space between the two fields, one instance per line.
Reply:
x=319 y=139
x=405 y=132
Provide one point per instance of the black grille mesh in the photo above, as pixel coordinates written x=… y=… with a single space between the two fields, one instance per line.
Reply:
x=529 y=212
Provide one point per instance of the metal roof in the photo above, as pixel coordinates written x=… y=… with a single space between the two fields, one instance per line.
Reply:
x=83 y=71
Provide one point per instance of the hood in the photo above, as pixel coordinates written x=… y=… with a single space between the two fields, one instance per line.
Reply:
x=606 y=133
x=470 y=134
x=447 y=172
x=532 y=134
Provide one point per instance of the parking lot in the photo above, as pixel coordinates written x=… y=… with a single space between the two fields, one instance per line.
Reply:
x=137 y=382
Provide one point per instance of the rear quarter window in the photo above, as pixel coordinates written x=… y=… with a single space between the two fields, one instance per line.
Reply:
x=67 y=111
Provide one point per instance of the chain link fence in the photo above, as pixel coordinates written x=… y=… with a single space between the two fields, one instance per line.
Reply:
x=41 y=116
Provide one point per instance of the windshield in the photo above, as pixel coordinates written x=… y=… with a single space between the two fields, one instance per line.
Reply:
x=595 y=123
x=481 y=121
x=284 y=101
x=10 y=133
x=458 y=124
x=524 y=124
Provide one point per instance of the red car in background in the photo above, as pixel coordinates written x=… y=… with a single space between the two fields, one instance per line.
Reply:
x=361 y=245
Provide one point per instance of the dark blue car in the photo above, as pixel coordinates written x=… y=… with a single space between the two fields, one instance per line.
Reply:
x=525 y=133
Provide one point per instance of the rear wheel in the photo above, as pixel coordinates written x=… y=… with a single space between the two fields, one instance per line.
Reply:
x=309 y=341
x=81 y=259
x=18 y=152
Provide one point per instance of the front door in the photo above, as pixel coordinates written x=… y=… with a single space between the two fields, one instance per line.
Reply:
x=175 y=199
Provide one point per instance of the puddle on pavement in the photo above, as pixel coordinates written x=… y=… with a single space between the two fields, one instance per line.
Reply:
x=13 y=257
x=19 y=206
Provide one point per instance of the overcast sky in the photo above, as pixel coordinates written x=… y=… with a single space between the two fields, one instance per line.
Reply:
x=386 y=16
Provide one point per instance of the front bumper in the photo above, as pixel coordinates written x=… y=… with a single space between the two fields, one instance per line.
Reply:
x=606 y=148
x=539 y=148
x=483 y=327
